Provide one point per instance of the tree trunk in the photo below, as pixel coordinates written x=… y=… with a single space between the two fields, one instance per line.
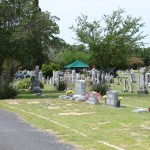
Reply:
x=1 y=63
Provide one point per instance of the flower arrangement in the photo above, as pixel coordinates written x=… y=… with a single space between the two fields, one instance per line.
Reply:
x=120 y=98
x=69 y=92
x=104 y=97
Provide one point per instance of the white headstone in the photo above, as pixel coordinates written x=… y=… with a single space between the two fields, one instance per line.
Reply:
x=73 y=76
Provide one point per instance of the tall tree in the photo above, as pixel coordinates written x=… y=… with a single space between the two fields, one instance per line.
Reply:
x=112 y=43
x=26 y=31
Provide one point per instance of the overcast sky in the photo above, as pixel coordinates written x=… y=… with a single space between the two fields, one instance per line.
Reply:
x=69 y=10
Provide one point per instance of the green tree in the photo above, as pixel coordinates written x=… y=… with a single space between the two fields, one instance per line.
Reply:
x=113 y=43
x=26 y=32
x=145 y=55
x=73 y=53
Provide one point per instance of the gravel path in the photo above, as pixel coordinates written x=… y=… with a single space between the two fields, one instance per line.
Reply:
x=18 y=135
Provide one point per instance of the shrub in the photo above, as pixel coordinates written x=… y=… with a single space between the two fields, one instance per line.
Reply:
x=100 y=88
x=26 y=82
x=61 y=86
x=47 y=69
x=7 y=88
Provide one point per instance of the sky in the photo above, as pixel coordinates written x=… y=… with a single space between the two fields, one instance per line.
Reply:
x=69 y=10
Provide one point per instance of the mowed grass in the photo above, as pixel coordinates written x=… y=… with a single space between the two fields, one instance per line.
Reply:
x=88 y=127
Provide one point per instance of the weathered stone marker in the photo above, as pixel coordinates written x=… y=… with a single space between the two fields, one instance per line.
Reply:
x=112 y=99
x=142 y=86
x=35 y=84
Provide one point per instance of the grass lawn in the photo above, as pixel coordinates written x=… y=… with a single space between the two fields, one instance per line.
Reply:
x=88 y=127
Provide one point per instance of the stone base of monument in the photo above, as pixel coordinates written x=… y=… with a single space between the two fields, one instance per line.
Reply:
x=35 y=90
x=142 y=90
x=125 y=90
x=78 y=98
x=64 y=97
x=92 y=100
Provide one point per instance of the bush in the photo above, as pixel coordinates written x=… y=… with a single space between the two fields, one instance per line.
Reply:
x=7 y=88
x=26 y=82
x=61 y=86
x=47 y=69
x=101 y=88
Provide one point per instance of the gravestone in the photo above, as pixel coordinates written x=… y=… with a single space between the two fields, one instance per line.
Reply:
x=142 y=86
x=93 y=74
x=43 y=80
x=80 y=90
x=73 y=76
x=133 y=75
x=112 y=99
x=35 y=84
x=80 y=87
x=92 y=99
x=98 y=75
x=131 y=86
x=78 y=76
x=53 y=78
x=125 y=86
x=47 y=80
x=118 y=81
x=40 y=75
x=147 y=79
x=50 y=81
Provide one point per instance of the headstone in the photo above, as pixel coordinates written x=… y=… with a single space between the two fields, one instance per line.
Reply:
x=50 y=81
x=142 y=86
x=147 y=79
x=57 y=77
x=78 y=77
x=80 y=90
x=103 y=76
x=131 y=86
x=125 y=86
x=47 y=80
x=133 y=75
x=80 y=87
x=35 y=85
x=53 y=78
x=73 y=76
x=40 y=75
x=93 y=74
x=92 y=99
x=118 y=81
x=43 y=80
x=112 y=99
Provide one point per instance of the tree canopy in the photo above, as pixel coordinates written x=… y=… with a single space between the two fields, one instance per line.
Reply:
x=111 y=40
x=26 y=32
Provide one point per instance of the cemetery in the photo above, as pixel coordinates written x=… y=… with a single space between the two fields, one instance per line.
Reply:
x=90 y=120
x=93 y=93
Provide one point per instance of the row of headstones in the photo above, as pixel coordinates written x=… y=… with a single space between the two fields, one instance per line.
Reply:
x=56 y=77
x=80 y=92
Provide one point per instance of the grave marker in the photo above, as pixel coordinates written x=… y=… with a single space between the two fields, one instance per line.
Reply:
x=35 y=85
x=112 y=99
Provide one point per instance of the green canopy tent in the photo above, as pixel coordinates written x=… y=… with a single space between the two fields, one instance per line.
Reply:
x=77 y=64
